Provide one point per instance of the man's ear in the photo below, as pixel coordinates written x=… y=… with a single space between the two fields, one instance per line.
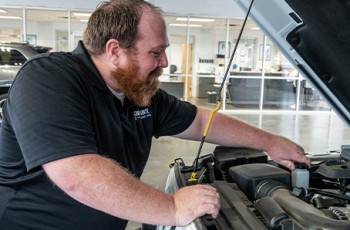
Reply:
x=113 y=51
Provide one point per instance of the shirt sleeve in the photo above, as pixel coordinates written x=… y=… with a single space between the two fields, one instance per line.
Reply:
x=172 y=116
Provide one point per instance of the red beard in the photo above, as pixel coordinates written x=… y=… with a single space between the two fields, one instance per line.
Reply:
x=136 y=89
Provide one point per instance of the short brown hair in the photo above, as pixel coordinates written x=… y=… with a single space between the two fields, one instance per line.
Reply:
x=115 y=19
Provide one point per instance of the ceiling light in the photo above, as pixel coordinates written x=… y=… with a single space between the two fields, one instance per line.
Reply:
x=196 y=19
x=3 y=11
x=255 y=28
x=10 y=17
x=82 y=14
x=184 y=25
x=84 y=20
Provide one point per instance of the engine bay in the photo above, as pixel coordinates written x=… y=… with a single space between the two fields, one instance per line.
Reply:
x=257 y=193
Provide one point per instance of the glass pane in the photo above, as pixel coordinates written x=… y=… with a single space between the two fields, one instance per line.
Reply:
x=274 y=61
x=282 y=94
x=11 y=25
x=245 y=58
x=78 y=24
x=177 y=76
x=43 y=24
x=211 y=54
x=245 y=92
x=310 y=98
x=176 y=52
x=279 y=94
x=245 y=71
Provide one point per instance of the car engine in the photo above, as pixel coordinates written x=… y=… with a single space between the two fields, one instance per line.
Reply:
x=257 y=193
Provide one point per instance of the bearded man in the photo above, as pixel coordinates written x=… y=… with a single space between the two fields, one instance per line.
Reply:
x=78 y=127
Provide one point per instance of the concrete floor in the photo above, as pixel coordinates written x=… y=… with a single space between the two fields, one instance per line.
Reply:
x=317 y=133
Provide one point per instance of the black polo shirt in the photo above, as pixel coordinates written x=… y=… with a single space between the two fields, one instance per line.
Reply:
x=59 y=106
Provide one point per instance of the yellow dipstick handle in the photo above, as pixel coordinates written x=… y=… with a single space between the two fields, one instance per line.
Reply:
x=193 y=177
x=211 y=115
x=218 y=106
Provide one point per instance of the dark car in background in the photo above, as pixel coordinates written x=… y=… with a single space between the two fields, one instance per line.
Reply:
x=12 y=56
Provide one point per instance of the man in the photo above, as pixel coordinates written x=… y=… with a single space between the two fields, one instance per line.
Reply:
x=77 y=131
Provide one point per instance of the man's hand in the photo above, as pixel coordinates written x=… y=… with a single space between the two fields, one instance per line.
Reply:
x=195 y=201
x=286 y=152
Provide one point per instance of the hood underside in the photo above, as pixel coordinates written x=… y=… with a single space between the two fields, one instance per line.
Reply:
x=314 y=36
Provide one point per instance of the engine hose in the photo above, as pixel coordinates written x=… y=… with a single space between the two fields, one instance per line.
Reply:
x=302 y=212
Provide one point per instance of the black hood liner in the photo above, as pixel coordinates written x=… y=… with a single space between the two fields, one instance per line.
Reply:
x=323 y=41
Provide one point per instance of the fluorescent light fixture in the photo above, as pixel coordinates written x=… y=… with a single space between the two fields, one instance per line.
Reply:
x=84 y=20
x=11 y=17
x=76 y=14
x=3 y=11
x=255 y=28
x=184 y=25
x=196 y=19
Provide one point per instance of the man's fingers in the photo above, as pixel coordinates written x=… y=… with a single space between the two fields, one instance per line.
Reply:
x=194 y=201
x=291 y=163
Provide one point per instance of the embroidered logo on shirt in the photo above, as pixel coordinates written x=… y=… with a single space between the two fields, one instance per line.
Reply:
x=142 y=114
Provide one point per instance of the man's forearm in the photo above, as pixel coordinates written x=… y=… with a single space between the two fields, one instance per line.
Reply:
x=102 y=184
x=228 y=131
x=235 y=133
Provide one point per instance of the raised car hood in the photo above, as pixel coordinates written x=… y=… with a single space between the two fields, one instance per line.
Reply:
x=315 y=36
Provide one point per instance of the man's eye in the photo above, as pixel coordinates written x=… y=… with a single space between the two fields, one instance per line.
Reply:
x=156 y=53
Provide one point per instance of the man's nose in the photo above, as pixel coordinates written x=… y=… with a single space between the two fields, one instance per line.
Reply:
x=163 y=62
